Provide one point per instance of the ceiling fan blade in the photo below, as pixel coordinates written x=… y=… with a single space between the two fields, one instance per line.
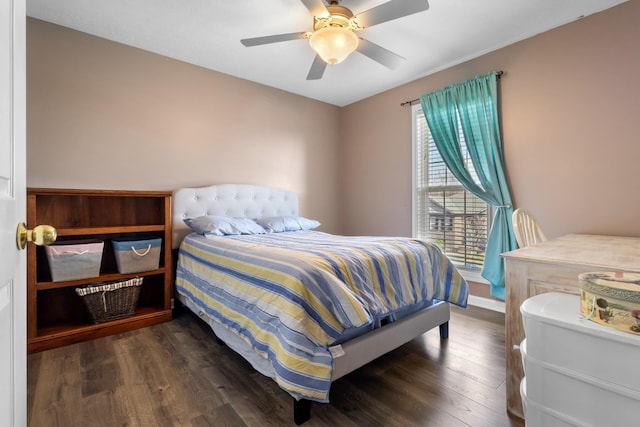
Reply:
x=391 y=10
x=317 y=69
x=379 y=54
x=256 y=41
x=316 y=7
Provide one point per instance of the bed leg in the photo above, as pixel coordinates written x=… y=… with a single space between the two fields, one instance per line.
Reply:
x=301 y=411
x=444 y=331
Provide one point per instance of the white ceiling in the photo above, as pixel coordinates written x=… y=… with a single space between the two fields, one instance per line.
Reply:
x=207 y=33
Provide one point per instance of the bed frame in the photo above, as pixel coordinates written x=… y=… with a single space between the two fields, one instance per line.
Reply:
x=251 y=201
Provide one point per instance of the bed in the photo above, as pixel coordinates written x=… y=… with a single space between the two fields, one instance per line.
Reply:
x=304 y=307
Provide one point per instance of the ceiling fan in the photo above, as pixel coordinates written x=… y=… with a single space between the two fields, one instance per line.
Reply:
x=334 y=35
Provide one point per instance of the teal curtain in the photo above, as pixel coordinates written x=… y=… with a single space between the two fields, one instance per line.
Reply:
x=474 y=104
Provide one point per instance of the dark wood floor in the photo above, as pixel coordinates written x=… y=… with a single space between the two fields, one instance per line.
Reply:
x=177 y=374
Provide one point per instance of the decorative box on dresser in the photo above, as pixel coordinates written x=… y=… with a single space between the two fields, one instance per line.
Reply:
x=554 y=266
x=56 y=314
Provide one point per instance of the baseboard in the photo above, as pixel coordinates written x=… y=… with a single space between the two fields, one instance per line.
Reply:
x=489 y=304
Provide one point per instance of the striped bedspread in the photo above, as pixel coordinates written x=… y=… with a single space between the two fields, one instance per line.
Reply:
x=292 y=295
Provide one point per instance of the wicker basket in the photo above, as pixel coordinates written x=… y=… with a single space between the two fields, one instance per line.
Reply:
x=111 y=301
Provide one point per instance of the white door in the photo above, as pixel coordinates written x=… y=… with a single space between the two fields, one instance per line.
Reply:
x=13 y=283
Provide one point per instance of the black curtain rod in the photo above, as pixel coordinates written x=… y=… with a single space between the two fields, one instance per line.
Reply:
x=498 y=75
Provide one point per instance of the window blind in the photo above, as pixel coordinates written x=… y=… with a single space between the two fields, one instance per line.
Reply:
x=446 y=213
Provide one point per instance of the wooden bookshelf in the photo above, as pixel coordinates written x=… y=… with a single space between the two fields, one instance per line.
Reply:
x=56 y=314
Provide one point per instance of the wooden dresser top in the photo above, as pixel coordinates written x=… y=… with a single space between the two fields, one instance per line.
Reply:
x=603 y=252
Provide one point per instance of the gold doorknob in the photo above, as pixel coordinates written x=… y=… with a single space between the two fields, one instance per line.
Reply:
x=40 y=235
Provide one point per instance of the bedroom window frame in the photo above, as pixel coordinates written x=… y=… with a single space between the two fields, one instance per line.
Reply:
x=468 y=270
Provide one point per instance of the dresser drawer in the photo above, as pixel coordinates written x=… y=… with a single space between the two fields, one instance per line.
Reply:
x=577 y=396
x=538 y=415
x=558 y=335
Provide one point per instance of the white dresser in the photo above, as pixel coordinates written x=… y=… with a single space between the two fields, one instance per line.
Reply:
x=577 y=372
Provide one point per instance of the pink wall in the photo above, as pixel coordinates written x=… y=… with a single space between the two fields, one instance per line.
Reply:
x=105 y=115
x=570 y=110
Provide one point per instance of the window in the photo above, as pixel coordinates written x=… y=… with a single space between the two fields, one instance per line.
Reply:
x=444 y=211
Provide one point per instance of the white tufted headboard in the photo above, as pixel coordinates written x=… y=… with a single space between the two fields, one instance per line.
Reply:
x=234 y=200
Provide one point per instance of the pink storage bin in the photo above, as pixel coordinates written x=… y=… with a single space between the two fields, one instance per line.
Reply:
x=74 y=259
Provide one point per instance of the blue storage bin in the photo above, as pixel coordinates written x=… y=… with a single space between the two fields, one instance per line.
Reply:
x=136 y=255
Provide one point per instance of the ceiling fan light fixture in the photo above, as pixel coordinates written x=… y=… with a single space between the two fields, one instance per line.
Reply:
x=334 y=43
